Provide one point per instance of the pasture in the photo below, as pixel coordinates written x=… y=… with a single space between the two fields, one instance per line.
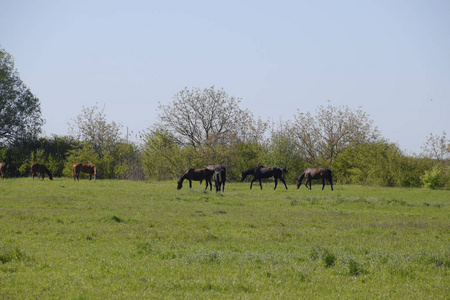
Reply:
x=111 y=239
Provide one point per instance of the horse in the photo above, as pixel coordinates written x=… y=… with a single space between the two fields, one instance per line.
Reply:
x=85 y=168
x=40 y=169
x=312 y=173
x=263 y=172
x=197 y=175
x=220 y=177
x=2 y=169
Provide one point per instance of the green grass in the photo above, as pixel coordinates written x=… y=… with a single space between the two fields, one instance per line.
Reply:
x=119 y=239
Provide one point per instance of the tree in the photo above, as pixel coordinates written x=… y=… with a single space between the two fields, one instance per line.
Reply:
x=281 y=150
x=322 y=137
x=208 y=117
x=91 y=127
x=20 y=111
x=100 y=144
x=437 y=147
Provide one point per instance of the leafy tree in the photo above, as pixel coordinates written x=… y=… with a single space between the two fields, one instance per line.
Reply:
x=378 y=163
x=161 y=156
x=20 y=111
x=321 y=138
x=208 y=117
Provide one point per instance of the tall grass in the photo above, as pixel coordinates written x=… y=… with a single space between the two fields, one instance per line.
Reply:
x=121 y=239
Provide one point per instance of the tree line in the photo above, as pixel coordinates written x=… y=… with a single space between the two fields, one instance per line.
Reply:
x=207 y=126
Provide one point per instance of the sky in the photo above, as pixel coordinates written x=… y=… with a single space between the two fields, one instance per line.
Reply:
x=391 y=58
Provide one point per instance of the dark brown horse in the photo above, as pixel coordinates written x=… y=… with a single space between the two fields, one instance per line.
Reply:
x=2 y=169
x=40 y=169
x=197 y=175
x=85 y=168
x=263 y=172
x=311 y=173
x=220 y=177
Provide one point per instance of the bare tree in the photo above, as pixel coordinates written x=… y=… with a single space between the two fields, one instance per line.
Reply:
x=208 y=117
x=322 y=137
x=92 y=128
x=437 y=147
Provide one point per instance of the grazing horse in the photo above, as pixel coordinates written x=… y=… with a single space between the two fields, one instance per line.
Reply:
x=263 y=172
x=85 y=168
x=2 y=169
x=220 y=177
x=40 y=169
x=312 y=173
x=197 y=175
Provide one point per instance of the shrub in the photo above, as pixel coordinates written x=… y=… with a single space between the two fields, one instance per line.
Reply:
x=435 y=178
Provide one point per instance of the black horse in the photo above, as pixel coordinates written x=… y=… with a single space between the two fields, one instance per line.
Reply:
x=312 y=173
x=263 y=172
x=220 y=177
x=197 y=175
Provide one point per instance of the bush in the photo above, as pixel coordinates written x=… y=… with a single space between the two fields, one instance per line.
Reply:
x=435 y=178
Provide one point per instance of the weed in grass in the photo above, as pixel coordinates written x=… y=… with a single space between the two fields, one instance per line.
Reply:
x=329 y=260
x=355 y=268
x=8 y=254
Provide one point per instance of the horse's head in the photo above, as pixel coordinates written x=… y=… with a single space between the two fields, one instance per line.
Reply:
x=299 y=180
x=50 y=176
x=179 y=184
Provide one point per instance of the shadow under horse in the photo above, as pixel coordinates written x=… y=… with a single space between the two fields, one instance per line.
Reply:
x=196 y=175
x=311 y=173
x=40 y=169
x=263 y=172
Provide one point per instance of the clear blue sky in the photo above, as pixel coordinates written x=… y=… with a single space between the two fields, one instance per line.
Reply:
x=390 y=57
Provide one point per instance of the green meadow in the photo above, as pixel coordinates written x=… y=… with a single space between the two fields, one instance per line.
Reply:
x=114 y=239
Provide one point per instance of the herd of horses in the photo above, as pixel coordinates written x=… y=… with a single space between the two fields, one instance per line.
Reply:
x=40 y=170
x=217 y=173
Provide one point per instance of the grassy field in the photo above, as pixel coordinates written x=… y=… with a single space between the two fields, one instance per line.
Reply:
x=132 y=240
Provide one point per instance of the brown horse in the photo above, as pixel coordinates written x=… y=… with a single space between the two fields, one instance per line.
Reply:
x=2 y=169
x=40 y=169
x=312 y=173
x=220 y=177
x=263 y=172
x=85 y=168
x=197 y=175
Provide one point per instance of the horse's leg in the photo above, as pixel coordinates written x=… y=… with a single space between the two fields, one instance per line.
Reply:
x=190 y=184
x=283 y=181
x=323 y=183
x=210 y=185
x=223 y=186
x=260 y=184
x=331 y=182
x=251 y=183
x=276 y=183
